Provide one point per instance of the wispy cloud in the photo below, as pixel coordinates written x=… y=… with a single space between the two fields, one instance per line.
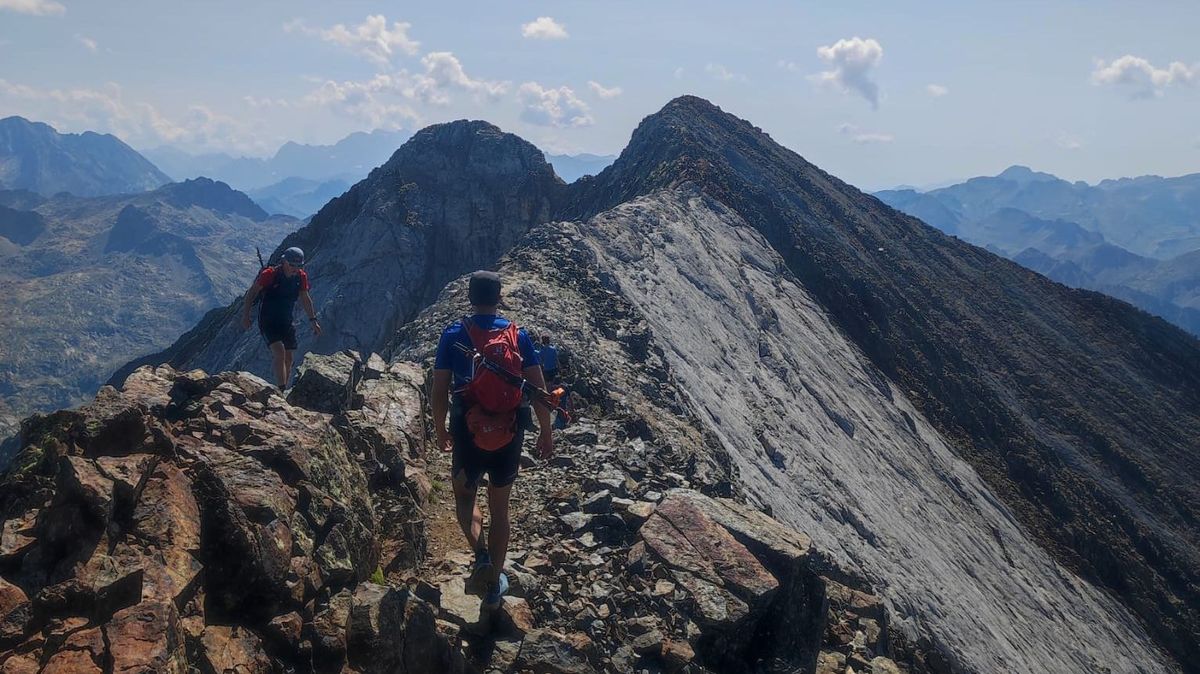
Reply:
x=106 y=110
x=552 y=106
x=1068 y=141
x=34 y=7
x=936 y=90
x=603 y=91
x=1141 y=78
x=863 y=137
x=544 y=28
x=372 y=39
x=87 y=42
x=851 y=61
x=722 y=73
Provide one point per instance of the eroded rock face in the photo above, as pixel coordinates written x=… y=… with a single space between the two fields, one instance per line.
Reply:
x=190 y=521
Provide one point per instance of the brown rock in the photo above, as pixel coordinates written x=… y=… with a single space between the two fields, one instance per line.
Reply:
x=855 y=602
x=17 y=536
x=286 y=629
x=146 y=638
x=831 y=662
x=83 y=652
x=329 y=632
x=233 y=650
x=548 y=652
x=26 y=662
x=676 y=655
x=882 y=665
x=167 y=515
x=15 y=612
x=517 y=616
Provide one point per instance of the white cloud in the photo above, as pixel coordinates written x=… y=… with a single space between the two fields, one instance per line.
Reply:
x=722 y=73
x=936 y=90
x=371 y=39
x=852 y=61
x=679 y=73
x=386 y=99
x=35 y=7
x=552 y=107
x=787 y=65
x=87 y=42
x=1141 y=78
x=106 y=110
x=266 y=102
x=544 y=28
x=1068 y=141
x=603 y=91
x=862 y=137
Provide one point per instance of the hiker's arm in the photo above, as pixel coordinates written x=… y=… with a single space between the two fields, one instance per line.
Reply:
x=310 y=311
x=441 y=405
x=248 y=301
x=545 y=441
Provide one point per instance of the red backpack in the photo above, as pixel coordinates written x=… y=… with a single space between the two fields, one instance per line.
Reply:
x=493 y=398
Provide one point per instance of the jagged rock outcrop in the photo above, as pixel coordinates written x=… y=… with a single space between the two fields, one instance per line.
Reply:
x=452 y=199
x=190 y=520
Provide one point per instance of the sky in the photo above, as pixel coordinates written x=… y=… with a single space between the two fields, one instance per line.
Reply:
x=877 y=93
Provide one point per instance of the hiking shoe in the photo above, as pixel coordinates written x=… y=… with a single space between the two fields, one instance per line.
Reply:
x=481 y=571
x=496 y=593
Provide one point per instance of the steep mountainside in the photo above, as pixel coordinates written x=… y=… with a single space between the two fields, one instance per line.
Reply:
x=453 y=198
x=93 y=282
x=1089 y=440
x=33 y=156
x=878 y=357
x=349 y=159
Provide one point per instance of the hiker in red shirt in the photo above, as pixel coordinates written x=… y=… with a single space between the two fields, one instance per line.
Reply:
x=488 y=416
x=279 y=287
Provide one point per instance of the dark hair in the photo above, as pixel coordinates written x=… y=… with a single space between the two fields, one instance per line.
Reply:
x=484 y=289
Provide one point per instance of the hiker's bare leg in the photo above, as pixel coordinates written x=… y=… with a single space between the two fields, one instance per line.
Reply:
x=498 y=528
x=288 y=356
x=470 y=518
x=278 y=365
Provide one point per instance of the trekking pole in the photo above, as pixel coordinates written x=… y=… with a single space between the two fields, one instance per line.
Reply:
x=537 y=394
x=261 y=264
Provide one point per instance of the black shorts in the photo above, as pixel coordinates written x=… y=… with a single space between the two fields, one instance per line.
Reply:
x=501 y=466
x=279 y=331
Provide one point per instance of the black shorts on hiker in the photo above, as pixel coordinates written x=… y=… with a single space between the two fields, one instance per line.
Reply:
x=279 y=332
x=500 y=466
x=551 y=376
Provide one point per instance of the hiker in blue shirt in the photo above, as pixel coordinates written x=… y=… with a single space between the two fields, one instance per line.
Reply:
x=549 y=356
x=488 y=415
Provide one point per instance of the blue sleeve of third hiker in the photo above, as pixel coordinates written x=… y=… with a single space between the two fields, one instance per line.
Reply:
x=444 y=360
x=529 y=355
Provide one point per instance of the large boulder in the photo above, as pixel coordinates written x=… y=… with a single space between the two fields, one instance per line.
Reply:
x=327 y=383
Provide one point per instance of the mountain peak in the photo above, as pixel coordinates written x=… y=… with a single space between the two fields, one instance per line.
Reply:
x=214 y=196
x=1024 y=174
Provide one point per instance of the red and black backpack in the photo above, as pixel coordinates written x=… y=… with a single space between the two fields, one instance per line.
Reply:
x=493 y=398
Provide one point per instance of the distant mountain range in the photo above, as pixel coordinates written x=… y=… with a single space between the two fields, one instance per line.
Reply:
x=572 y=167
x=36 y=157
x=298 y=197
x=351 y=158
x=1134 y=238
x=91 y=282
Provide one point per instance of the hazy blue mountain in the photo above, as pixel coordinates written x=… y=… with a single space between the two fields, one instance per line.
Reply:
x=1076 y=252
x=298 y=197
x=350 y=159
x=1149 y=215
x=571 y=167
x=36 y=157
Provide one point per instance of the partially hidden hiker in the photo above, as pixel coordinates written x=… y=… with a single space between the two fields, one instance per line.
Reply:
x=488 y=415
x=549 y=355
x=279 y=287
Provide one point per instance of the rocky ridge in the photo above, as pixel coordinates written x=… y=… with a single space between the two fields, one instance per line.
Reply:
x=1073 y=413
x=204 y=523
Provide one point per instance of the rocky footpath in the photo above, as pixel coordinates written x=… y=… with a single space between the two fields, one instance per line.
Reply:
x=194 y=522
